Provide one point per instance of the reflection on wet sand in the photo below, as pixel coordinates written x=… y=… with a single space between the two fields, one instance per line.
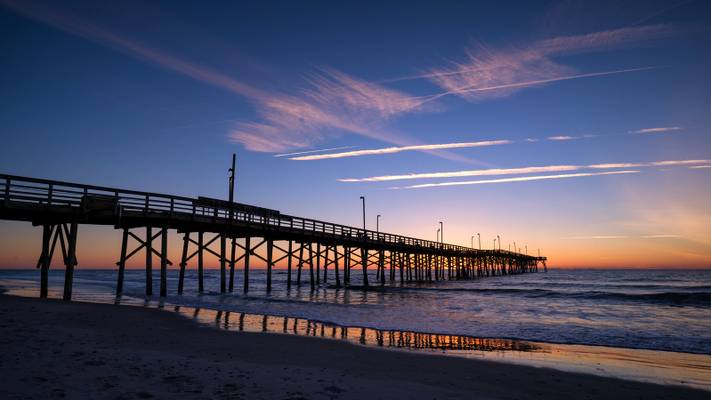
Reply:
x=643 y=365
x=243 y=322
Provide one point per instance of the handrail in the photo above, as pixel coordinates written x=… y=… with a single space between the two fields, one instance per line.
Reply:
x=49 y=192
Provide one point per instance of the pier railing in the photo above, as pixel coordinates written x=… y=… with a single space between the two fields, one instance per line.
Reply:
x=41 y=193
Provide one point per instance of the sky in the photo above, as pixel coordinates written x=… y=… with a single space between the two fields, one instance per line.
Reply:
x=580 y=128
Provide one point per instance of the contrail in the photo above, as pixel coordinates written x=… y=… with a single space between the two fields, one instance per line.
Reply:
x=398 y=149
x=313 y=151
x=658 y=130
x=536 y=82
x=523 y=170
x=517 y=179
x=460 y=174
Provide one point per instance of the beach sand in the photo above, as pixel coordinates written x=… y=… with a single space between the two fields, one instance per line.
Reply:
x=55 y=349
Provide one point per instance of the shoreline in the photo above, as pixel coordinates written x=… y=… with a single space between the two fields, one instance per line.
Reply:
x=32 y=291
x=92 y=350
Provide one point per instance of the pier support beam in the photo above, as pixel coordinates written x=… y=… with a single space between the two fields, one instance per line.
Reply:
x=364 y=265
x=122 y=263
x=70 y=261
x=67 y=238
x=270 y=255
x=288 y=264
x=164 y=262
x=149 y=252
x=223 y=271
x=183 y=262
x=149 y=261
x=247 y=253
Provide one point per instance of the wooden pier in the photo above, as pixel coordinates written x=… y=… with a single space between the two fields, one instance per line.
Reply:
x=233 y=232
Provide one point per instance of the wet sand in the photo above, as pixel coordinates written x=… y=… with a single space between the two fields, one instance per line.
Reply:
x=54 y=349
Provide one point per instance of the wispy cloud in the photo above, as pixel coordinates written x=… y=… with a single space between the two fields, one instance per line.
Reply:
x=313 y=151
x=504 y=89
x=75 y=25
x=398 y=149
x=516 y=179
x=329 y=104
x=488 y=72
x=332 y=102
x=521 y=170
x=658 y=130
x=700 y=166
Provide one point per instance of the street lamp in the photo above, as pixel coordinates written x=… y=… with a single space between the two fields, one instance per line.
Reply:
x=479 y=236
x=499 y=239
x=377 y=226
x=441 y=230
x=438 y=235
x=363 y=198
x=494 y=243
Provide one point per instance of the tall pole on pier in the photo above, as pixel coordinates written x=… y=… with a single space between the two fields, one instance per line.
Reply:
x=232 y=241
x=363 y=198
x=472 y=245
x=499 y=239
x=441 y=232
x=438 y=230
x=479 y=236
x=377 y=226
x=232 y=181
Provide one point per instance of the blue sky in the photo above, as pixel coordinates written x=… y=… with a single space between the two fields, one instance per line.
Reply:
x=156 y=96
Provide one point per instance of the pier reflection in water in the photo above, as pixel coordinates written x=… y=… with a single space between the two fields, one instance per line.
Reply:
x=243 y=322
x=643 y=365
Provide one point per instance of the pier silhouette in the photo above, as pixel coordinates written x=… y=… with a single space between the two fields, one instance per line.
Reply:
x=233 y=232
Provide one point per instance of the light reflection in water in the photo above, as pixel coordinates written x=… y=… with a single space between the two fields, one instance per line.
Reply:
x=643 y=365
x=655 y=366
x=244 y=322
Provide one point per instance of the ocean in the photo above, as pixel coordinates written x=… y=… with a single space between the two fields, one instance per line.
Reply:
x=647 y=309
x=655 y=311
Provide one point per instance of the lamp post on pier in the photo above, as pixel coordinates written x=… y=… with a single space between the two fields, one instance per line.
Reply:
x=441 y=232
x=478 y=235
x=363 y=199
x=377 y=226
x=499 y=239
